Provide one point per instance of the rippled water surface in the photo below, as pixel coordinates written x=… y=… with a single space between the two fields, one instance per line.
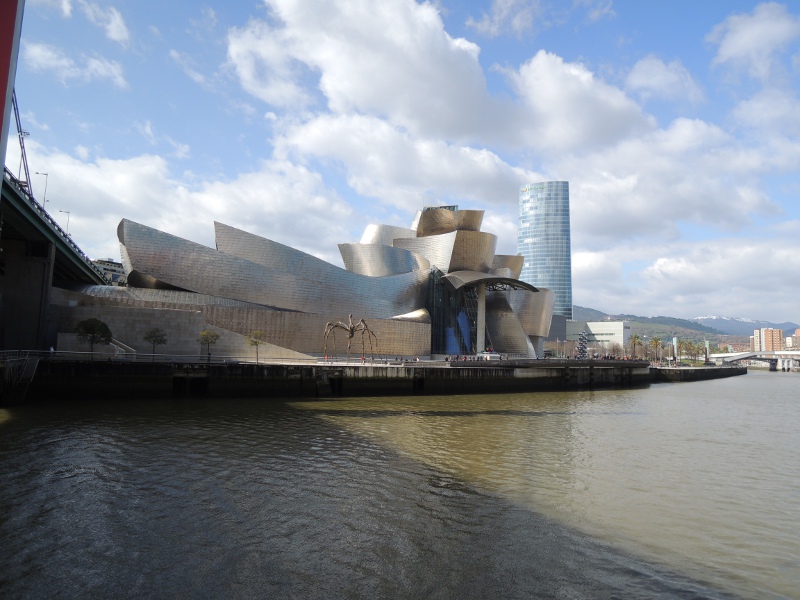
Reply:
x=678 y=490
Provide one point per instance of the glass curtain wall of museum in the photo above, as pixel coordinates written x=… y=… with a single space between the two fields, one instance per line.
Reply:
x=544 y=240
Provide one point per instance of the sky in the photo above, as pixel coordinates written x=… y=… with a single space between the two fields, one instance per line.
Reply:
x=677 y=125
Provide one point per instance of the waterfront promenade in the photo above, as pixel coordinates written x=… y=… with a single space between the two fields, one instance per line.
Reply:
x=67 y=378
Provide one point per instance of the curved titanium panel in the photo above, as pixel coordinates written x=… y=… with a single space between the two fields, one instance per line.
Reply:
x=508 y=261
x=158 y=298
x=436 y=249
x=323 y=288
x=459 y=279
x=378 y=261
x=501 y=272
x=534 y=311
x=436 y=221
x=385 y=234
x=267 y=253
x=418 y=316
x=469 y=220
x=473 y=251
x=454 y=251
x=505 y=331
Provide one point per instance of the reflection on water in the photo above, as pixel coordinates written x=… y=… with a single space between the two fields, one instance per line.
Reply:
x=704 y=477
x=685 y=490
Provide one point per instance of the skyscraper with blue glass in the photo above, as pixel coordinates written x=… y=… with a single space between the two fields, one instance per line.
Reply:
x=544 y=241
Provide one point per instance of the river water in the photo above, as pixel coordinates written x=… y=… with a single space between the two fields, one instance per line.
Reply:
x=677 y=490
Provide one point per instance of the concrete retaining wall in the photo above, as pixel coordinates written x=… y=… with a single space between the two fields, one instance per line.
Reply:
x=110 y=379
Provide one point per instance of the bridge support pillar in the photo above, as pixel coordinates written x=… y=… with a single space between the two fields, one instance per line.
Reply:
x=25 y=294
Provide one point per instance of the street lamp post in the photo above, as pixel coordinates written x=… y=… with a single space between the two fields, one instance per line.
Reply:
x=66 y=211
x=46 y=177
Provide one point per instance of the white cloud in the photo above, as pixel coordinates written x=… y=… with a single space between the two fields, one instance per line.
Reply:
x=259 y=56
x=185 y=63
x=774 y=111
x=651 y=279
x=734 y=267
x=397 y=62
x=570 y=109
x=30 y=118
x=401 y=170
x=110 y=19
x=146 y=129
x=752 y=41
x=266 y=202
x=600 y=9
x=652 y=78
x=102 y=68
x=65 y=6
x=518 y=16
x=690 y=175
x=181 y=151
x=44 y=57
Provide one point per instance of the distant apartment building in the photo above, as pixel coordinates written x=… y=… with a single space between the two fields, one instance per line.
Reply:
x=112 y=270
x=743 y=347
x=767 y=340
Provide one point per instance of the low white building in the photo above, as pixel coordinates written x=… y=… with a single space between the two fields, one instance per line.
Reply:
x=602 y=335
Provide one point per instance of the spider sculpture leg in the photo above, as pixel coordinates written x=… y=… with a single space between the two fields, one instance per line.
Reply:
x=330 y=330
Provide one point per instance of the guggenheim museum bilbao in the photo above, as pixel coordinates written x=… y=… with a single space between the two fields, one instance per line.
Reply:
x=436 y=288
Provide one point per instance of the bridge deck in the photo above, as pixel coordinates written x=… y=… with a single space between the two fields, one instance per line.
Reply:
x=24 y=219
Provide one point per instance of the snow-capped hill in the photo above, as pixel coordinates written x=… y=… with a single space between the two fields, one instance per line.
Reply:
x=742 y=326
x=715 y=318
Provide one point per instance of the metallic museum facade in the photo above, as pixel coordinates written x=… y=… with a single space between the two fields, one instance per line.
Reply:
x=544 y=240
x=435 y=288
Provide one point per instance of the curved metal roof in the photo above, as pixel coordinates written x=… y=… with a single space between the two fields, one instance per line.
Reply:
x=459 y=279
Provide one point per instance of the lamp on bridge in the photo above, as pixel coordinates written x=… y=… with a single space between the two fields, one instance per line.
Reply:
x=44 y=202
x=66 y=211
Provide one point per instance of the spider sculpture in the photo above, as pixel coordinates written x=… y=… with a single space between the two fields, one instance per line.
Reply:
x=351 y=329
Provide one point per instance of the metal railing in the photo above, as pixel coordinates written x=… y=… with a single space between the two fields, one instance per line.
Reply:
x=200 y=359
x=40 y=210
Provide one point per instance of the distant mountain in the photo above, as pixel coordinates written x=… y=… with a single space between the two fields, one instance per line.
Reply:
x=734 y=326
x=580 y=313
x=707 y=325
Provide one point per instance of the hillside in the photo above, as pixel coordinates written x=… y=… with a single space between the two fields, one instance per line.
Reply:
x=734 y=326
x=663 y=327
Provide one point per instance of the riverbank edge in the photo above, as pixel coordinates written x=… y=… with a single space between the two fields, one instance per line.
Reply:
x=72 y=380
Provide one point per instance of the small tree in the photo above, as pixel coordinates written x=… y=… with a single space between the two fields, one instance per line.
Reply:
x=635 y=341
x=682 y=345
x=656 y=343
x=155 y=336
x=209 y=338
x=92 y=331
x=255 y=339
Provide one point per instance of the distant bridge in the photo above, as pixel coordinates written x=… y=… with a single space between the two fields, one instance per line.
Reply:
x=35 y=254
x=777 y=359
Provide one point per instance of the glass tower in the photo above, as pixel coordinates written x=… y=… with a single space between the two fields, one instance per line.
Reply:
x=543 y=240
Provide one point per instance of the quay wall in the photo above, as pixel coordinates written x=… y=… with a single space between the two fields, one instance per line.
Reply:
x=104 y=380
x=686 y=374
